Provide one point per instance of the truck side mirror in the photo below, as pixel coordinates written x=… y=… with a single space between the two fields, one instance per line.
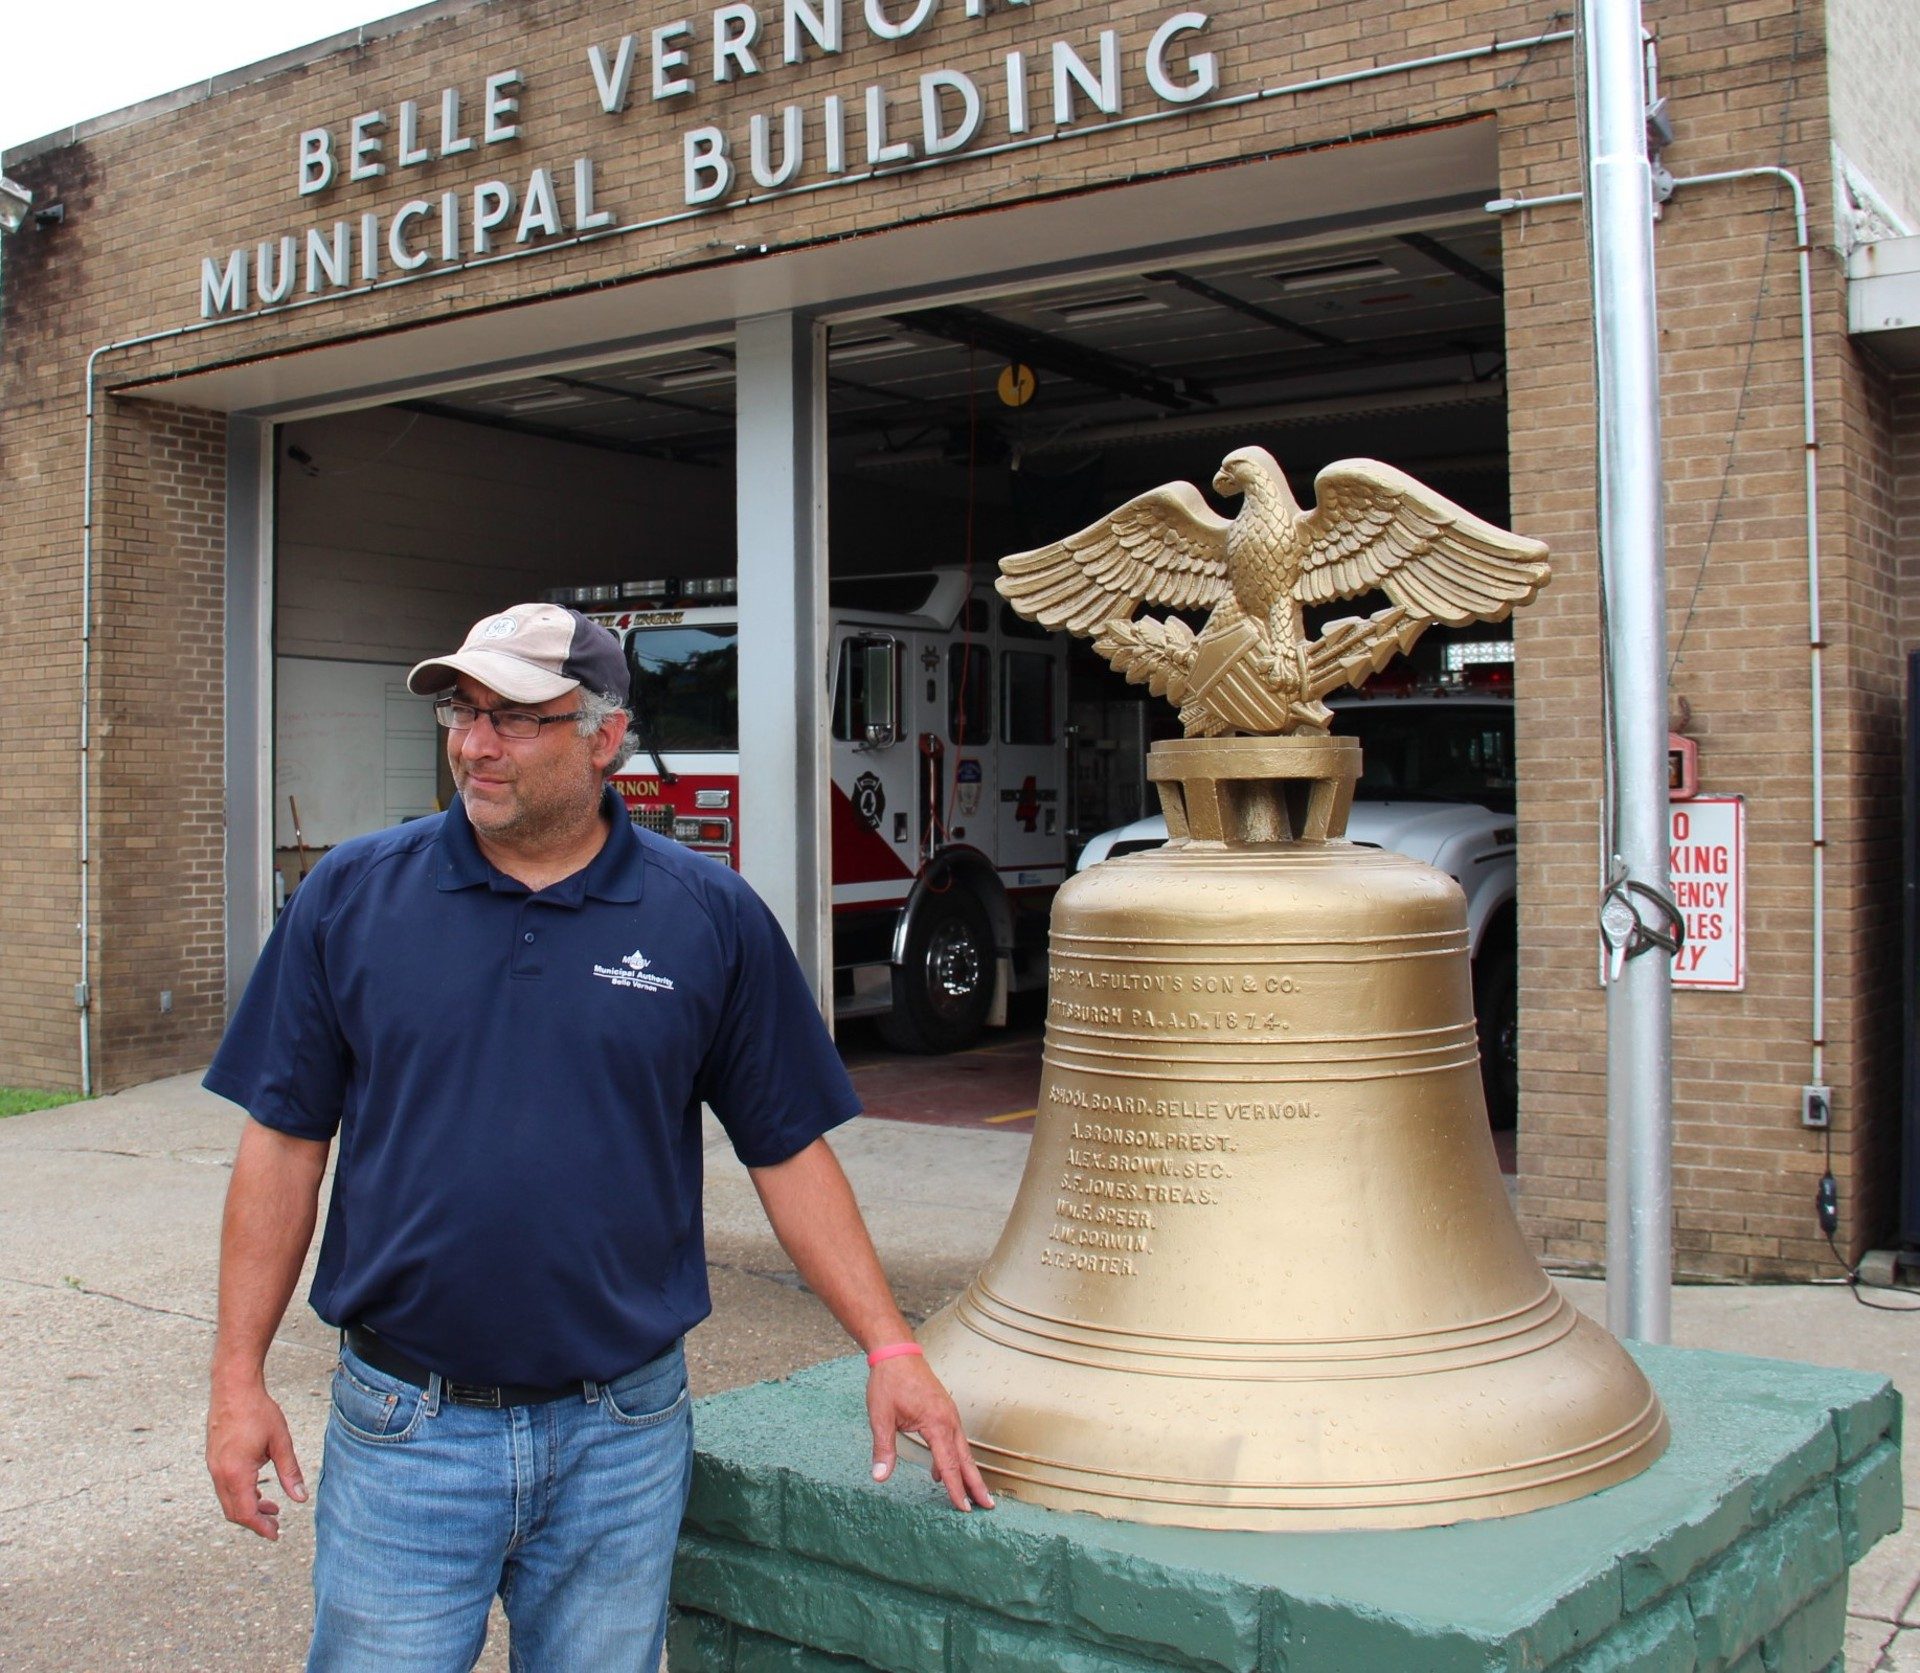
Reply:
x=878 y=662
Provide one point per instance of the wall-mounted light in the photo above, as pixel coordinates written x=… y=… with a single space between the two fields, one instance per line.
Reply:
x=16 y=208
x=15 y=201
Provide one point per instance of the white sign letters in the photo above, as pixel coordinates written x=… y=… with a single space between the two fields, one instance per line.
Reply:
x=1083 y=77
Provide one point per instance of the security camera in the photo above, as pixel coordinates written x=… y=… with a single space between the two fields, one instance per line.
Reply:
x=15 y=201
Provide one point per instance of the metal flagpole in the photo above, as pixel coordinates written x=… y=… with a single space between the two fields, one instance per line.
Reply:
x=1633 y=595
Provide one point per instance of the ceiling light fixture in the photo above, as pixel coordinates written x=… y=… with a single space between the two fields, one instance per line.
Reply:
x=692 y=377
x=1108 y=307
x=1334 y=275
x=539 y=402
x=865 y=348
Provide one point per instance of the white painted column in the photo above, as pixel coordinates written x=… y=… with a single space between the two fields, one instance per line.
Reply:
x=249 y=716
x=780 y=397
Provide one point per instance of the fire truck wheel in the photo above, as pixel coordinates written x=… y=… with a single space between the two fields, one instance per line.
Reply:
x=1496 y=1002
x=942 y=989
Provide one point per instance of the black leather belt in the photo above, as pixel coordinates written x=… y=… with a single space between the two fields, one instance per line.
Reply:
x=382 y=1355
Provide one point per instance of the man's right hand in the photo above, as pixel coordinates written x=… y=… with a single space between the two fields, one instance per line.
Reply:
x=246 y=1430
x=272 y=1201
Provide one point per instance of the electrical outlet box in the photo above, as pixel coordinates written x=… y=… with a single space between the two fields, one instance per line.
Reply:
x=1816 y=1107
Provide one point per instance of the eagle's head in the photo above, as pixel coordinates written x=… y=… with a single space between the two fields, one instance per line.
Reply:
x=1243 y=467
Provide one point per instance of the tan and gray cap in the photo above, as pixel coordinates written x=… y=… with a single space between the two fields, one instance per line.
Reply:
x=532 y=653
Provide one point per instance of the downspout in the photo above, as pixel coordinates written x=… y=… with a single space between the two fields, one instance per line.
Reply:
x=1816 y=638
x=82 y=992
x=83 y=988
x=1816 y=642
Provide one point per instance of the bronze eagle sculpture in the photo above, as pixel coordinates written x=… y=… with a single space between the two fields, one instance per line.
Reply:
x=1252 y=667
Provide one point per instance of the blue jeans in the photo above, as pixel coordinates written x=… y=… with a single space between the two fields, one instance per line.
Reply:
x=567 y=1510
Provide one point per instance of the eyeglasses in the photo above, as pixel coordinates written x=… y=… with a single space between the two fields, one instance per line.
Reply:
x=506 y=723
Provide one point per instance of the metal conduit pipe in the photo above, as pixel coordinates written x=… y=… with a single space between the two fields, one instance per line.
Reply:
x=83 y=988
x=1816 y=642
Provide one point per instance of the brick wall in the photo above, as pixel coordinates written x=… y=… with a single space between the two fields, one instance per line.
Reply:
x=40 y=568
x=1746 y=90
x=1875 y=121
x=1867 y=702
x=1905 y=396
x=1747 y=85
x=160 y=825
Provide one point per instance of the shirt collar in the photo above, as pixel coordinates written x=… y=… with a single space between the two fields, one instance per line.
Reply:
x=617 y=872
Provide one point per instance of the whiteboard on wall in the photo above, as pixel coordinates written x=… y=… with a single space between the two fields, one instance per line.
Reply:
x=352 y=746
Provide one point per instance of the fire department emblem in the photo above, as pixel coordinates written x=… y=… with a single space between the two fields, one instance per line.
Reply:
x=967 y=781
x=869 y=798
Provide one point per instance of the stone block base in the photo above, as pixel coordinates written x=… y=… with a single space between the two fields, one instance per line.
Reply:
x=1729 y=1555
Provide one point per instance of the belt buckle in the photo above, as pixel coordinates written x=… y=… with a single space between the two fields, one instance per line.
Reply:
x=472 y=1394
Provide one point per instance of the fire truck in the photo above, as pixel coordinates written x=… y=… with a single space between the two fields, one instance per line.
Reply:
x=950 y=776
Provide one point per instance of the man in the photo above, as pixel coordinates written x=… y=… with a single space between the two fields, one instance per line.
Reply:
x=509 y=1016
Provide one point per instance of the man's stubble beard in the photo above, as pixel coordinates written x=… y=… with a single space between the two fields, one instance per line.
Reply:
x=530 y=827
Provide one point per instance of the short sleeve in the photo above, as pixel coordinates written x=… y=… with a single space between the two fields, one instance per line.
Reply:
x=771 y=1076
x=283 y=1059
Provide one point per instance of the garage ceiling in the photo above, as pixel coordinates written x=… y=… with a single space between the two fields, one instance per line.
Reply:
x=1408 y=325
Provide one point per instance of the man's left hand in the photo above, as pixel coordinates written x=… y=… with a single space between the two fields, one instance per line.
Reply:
x=903 y=1395
x=812 y=1211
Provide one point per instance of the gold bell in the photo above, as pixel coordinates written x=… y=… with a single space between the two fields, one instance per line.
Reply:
x=1262 y=1271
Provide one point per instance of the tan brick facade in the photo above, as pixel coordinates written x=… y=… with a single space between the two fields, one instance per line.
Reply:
x=1747 y=85
x=159 y=785
x=1875 y=122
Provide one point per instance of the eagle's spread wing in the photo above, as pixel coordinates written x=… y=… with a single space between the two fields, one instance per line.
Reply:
x=1374 y=526
x=1165 y=547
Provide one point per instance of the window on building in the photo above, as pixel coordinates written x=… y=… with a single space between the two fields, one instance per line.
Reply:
x=1026 y=698
x=969 y=694
x=864 y=686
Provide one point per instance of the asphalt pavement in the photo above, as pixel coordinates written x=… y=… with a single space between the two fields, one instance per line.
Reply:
x=113 y=1554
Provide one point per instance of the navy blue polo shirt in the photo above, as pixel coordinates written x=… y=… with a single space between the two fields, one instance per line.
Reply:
x=515 y=1080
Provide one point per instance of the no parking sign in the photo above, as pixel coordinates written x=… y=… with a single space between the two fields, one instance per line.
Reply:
x=1706 y=860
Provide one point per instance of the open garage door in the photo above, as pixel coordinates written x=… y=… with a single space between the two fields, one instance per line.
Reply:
x=398 y=526
x=956 y=432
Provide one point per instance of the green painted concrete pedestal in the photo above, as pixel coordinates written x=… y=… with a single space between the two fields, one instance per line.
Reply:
x=1731 y=1552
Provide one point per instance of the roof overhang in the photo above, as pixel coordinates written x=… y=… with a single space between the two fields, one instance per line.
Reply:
x=1298 y=197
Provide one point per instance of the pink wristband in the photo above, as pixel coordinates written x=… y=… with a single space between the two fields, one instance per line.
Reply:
x=893 y=1352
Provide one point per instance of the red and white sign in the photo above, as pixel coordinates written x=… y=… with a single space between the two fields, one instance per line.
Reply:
x=1707 y=860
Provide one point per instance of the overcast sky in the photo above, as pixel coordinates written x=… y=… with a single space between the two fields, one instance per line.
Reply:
x=67 y=60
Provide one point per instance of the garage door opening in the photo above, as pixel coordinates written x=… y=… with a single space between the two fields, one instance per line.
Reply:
x=398 y=526
x=973 y=755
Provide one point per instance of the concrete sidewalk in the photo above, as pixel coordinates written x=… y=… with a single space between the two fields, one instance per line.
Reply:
x=112 y=1550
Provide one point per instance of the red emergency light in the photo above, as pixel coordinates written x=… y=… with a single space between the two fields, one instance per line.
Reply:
x=1683 y=768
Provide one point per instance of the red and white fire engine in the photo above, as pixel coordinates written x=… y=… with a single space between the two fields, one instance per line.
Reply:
x=950 y=775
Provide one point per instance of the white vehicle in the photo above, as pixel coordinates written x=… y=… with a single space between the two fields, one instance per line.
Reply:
x=949 y=765
x=1436 y=785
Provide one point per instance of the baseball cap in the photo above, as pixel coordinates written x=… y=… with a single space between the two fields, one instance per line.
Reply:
x=531 y=653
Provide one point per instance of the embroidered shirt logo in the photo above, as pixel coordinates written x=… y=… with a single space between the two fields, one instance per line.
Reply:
x=633 y=971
